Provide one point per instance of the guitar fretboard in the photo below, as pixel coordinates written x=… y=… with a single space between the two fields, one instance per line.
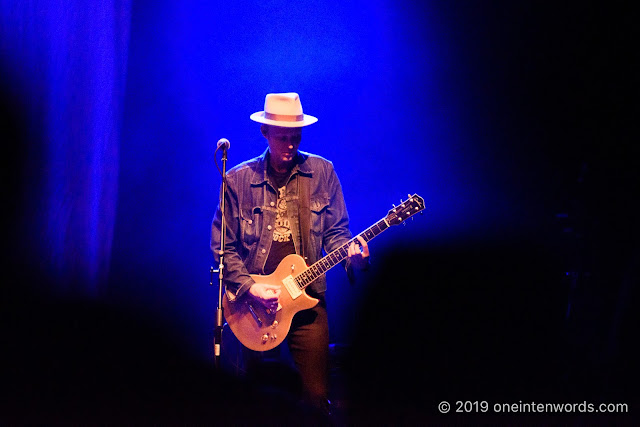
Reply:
x=332 y=259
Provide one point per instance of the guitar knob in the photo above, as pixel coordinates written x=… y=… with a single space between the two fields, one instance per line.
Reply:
x=273 y=337
x=274 y=324
x=265 y=338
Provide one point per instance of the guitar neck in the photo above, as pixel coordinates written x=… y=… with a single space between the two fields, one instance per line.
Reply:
x=332 y=259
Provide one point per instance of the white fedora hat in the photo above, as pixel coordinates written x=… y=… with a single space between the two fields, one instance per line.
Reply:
x=284 y=110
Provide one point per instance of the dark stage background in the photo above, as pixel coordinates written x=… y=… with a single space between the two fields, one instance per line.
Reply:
x=512 y=120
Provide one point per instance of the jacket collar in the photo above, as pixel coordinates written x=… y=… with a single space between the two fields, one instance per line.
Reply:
x=260 y=171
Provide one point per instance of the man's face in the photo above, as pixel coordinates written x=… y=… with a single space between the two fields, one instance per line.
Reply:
x=283 y=143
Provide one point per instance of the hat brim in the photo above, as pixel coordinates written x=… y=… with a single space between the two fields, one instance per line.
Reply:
x=307 y=120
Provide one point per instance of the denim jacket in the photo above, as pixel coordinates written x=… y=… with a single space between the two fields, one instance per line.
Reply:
x=251 y=214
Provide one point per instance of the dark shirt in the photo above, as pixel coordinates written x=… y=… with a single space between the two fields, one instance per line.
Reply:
x=282 y=244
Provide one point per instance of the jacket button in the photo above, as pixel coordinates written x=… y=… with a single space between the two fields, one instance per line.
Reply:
x=272 y=204
x=250 y=221
x=268 y=227
x=264 y=251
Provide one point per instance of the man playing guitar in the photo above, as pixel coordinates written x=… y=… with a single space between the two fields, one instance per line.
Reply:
x=285 y=202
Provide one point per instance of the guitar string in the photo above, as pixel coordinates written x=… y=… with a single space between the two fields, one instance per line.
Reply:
x=311 y=273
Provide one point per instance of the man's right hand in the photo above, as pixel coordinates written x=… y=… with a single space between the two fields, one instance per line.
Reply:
x=267 y=295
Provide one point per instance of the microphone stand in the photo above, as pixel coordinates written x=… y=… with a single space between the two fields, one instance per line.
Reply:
x=217 y=338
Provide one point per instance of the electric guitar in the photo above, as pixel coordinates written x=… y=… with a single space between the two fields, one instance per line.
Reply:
x=262 y=329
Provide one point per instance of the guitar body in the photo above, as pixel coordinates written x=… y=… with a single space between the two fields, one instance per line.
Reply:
x=260 y=329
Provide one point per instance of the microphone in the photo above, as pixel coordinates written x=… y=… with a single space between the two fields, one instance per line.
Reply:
x=223 y=143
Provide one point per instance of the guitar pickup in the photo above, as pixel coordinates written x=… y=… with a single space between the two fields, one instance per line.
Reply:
x=255 y=315
x=291 y=286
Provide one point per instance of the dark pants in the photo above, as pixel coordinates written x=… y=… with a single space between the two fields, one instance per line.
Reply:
x=308 y=345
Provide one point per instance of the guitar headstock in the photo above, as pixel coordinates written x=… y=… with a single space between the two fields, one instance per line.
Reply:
x=405 y=210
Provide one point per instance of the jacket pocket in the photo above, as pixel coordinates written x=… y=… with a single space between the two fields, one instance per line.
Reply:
x=250 y=223
x=319 y=206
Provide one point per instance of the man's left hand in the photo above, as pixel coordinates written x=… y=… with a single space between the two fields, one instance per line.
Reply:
x=359 y=254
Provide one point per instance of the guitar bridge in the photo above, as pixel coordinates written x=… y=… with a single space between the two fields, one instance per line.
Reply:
x=292 y=287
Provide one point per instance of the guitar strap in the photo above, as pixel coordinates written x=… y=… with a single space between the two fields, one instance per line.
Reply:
x=305 y=215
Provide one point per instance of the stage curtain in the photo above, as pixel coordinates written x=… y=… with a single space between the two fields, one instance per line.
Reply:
x=63 y=68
